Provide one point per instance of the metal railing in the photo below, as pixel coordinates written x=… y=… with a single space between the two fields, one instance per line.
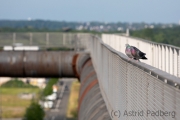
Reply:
x=132 y=90
x=162 y=56
x=42 y=40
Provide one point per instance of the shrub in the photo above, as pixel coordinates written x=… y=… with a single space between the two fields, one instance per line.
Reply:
x=15 y=83
x=48 y=89
x=34 y=112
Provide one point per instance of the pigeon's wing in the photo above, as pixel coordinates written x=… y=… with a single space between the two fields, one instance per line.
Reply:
x=138 y=52
x=136 y=49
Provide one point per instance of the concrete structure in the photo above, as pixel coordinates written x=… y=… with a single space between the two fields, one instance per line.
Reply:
x=109 y=78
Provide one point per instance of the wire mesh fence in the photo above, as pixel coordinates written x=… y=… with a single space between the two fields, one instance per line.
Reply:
x=131 y=90
x=42 y=40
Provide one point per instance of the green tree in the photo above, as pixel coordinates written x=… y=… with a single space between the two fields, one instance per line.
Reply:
x=48 y=89
x=160 y=37
x=34 y=112
x=148 y=34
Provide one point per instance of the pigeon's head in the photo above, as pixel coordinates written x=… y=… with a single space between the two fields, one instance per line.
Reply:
x=127 y=45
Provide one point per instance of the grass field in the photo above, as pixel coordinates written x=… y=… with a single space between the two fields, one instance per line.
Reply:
x=12 y=106
x=72 y=111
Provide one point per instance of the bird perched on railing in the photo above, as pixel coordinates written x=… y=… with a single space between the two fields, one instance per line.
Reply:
x=134 y=53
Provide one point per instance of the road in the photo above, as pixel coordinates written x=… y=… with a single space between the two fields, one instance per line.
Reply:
x=58 y=112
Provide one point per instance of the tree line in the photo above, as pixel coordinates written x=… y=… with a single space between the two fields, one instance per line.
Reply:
x=166 y=35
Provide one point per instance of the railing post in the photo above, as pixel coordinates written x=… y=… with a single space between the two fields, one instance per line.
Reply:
x=178 y=62
x=152 y=48
x=167 y=59
x=156 y=53
x=159 y=57
x=119 y=39
x=14 y=38
x=116 y=43
x=163 y=58
x=123 y=42
x=30 y=36
x=47 y=40
x=64 y=38
x=171 y=65
x=175 y=62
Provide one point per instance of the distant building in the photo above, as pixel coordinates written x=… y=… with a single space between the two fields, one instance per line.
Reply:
x=151 y=26
x=120 y=29
x=21 y=48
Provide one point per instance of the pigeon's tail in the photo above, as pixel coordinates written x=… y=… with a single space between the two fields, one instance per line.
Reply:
x=143 y=57
x=141 y=53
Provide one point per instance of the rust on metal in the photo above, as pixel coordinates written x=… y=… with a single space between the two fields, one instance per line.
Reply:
x=92 y=84
x=87 y=61
x=36 y=64
x=74 y=62
x=11 y=63
x=66 y=64
x=81 y=61
x=88 y=76
x=42 y=64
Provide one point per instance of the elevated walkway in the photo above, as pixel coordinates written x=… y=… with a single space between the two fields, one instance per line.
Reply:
x=148 y=88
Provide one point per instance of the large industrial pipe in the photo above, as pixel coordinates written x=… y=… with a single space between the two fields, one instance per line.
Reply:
x=38 y=64
x=59 y=64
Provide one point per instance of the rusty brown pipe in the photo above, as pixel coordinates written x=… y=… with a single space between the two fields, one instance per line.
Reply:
x=37 y=64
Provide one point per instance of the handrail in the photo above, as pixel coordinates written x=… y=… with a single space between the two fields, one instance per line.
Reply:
x=155 y=72
x=148 y=41
x=162 y=56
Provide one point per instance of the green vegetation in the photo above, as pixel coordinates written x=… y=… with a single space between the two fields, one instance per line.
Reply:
x=15 y=83
x=166 y=35
x=48 y=89
x=16 y=91
x=46 y=25
x=163 y=33
x=72 y=112
x=12 y=105
x=59 y=49
x=25 y=29
x=34 y=112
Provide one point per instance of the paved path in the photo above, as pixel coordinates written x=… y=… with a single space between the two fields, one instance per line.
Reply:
x=58 y=112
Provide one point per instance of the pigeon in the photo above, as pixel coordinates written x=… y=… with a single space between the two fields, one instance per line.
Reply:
x=134 y=53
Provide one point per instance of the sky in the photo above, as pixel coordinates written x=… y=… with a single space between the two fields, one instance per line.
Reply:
x=149 y=11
